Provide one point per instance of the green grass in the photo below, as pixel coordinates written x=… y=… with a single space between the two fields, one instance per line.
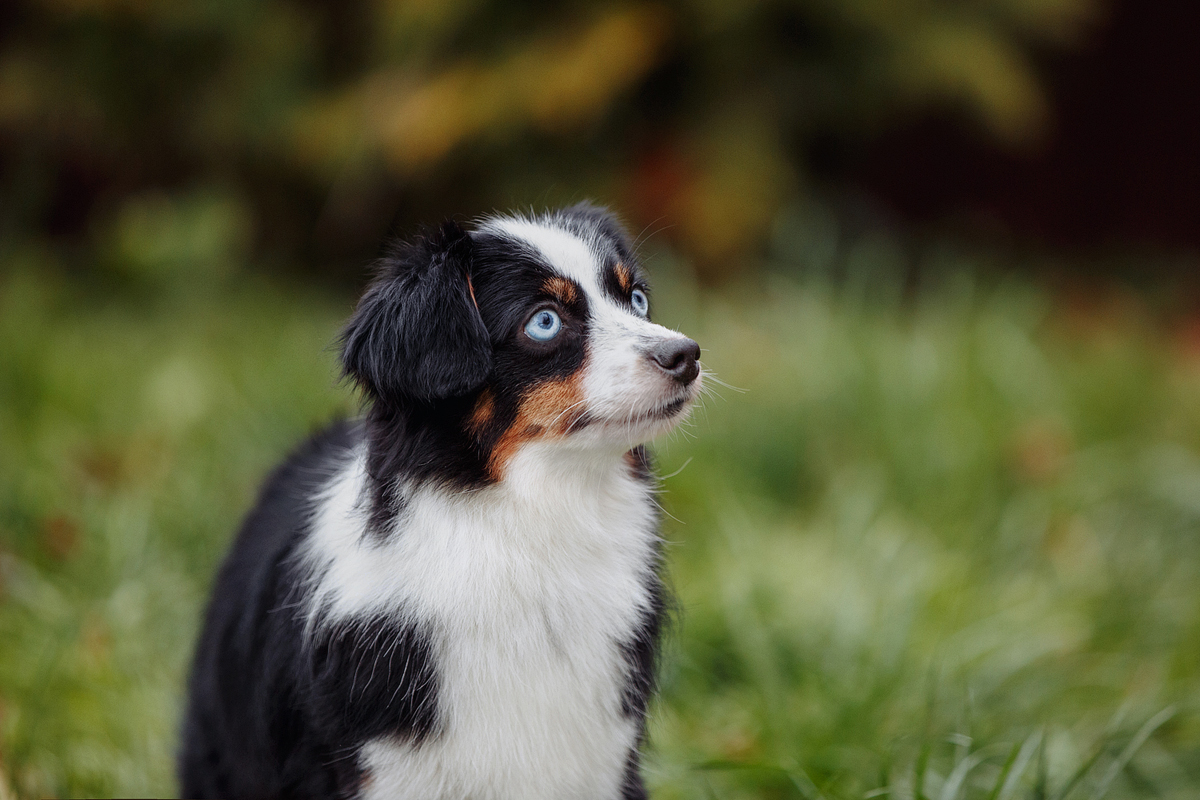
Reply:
x=943 y=546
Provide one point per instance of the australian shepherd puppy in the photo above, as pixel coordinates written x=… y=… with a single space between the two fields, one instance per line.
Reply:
x=458 y=597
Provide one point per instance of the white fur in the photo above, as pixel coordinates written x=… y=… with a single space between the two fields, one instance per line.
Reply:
x=528 y=586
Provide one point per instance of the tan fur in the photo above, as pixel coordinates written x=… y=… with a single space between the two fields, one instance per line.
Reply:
x=548 y=410
x=471 y=289
x=624 y=277
x=563 y=290
x=482 y=413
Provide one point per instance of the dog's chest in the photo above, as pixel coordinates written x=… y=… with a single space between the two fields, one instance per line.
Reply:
x=528 y=605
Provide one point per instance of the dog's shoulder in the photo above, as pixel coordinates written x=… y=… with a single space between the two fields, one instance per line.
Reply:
x=246 y=682
x=282 y=515
x=288 y=493
x=287 y=501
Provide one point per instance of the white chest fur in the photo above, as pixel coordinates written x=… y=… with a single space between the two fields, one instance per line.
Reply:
x=528 y=588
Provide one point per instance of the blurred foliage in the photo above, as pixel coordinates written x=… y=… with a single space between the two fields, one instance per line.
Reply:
x=305 y=124
x=940 y=541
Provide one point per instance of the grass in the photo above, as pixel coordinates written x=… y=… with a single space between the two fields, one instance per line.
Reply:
x=941 y=543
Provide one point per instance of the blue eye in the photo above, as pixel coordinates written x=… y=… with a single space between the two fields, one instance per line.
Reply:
x=640 y=304
x=543 y=326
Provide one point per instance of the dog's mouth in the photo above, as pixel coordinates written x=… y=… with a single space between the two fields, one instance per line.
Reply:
x=670 y=409
x=660 y=413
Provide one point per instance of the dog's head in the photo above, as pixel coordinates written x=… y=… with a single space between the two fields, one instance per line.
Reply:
x=522 y=330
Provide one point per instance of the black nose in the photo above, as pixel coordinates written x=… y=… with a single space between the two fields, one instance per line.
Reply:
x=678 y=358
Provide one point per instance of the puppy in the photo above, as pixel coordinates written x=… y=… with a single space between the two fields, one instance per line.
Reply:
x=458 y=597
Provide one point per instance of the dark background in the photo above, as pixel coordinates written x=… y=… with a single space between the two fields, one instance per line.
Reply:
x=315 y=126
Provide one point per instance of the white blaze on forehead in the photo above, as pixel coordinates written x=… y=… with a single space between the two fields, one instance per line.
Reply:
x=580 y=259
x=570 y=255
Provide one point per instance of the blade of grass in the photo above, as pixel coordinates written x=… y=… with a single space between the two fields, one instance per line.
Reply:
x=1135 y=744
x=1105 y=739
x=926 y=741
x=922 y=768
x=803 y=783
x=1005 y=770
x=1041 y=789
x=1014 y=769
x=954 y=782
x=885 y=779
x=1083 y=770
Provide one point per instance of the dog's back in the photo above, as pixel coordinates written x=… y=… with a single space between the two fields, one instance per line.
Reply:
x=246 y=733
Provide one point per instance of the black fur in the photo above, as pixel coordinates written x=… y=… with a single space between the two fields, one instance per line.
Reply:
x=249 y=728
x=417 y=333
x=372 y=677
x=641 y=657
x=588 y=220
x=634 y=788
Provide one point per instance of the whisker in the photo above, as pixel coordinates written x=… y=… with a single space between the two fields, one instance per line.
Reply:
x=629 y=430
x=646 y=233
x=663 y=510
x=711 y=376
x=554 y=421
x=676 y=472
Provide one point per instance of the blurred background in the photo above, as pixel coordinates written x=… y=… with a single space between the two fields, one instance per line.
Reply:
x=936 y=533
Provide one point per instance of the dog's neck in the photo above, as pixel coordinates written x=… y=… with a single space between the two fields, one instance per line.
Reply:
x=559 y=477
x=412 y=447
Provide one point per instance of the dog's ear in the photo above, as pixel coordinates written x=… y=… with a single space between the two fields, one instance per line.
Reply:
x=417 y=333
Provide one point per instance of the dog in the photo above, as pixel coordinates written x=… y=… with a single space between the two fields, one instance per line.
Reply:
x=458 y=596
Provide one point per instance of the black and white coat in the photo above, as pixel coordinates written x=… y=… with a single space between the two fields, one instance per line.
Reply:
x=458 y=597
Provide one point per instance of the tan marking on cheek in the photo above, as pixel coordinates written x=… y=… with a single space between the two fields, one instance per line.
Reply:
x=565 y=291
x=483 y=412
x=504 y=449
x=550 y=404
x=548 y=411
x=624 y=277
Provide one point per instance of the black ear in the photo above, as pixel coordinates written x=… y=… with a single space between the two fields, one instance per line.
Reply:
x=604 y=222
x=417 y=332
